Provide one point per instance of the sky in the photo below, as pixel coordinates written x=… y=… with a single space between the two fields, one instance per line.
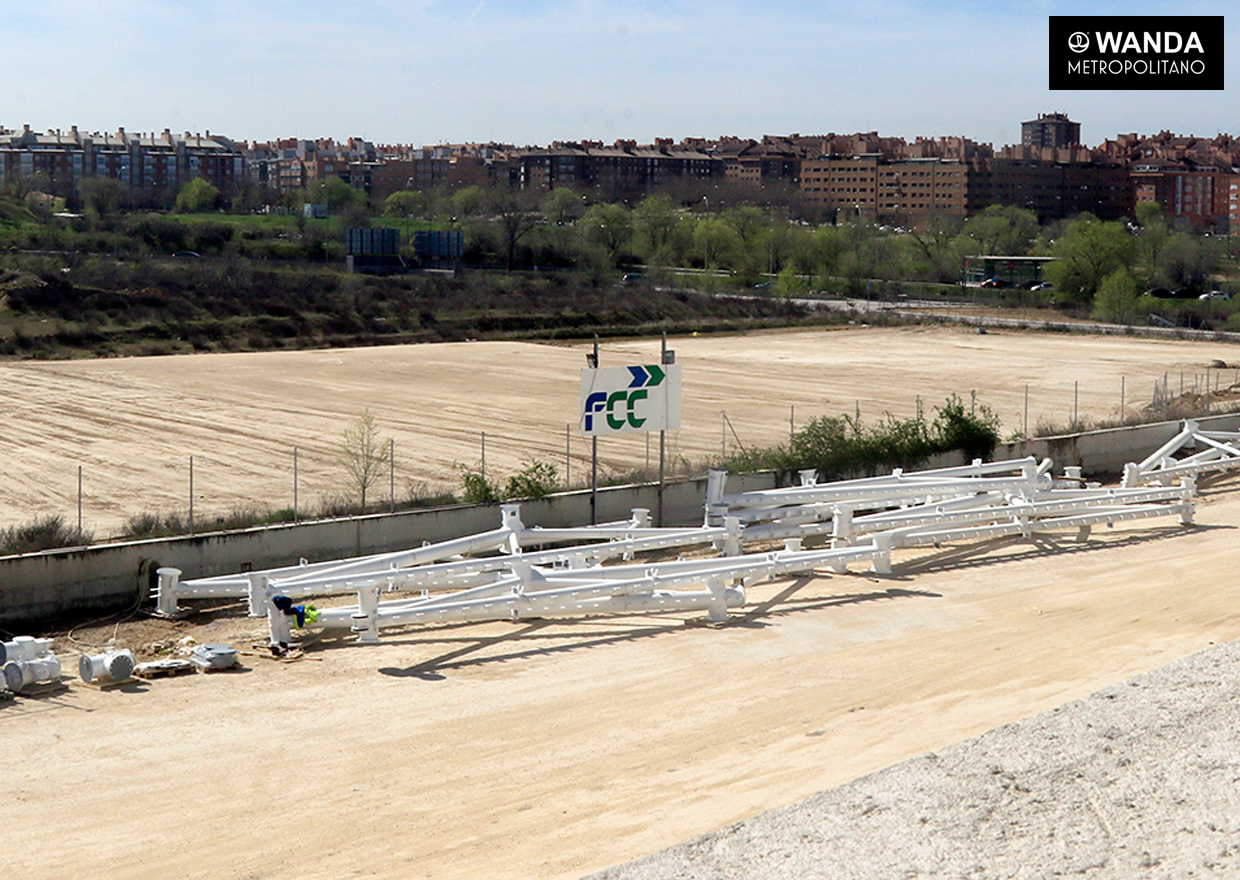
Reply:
x=528 y=72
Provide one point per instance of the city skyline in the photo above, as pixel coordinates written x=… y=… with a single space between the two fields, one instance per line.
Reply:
x=433 y=72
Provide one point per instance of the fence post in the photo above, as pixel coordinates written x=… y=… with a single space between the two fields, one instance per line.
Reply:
x=191 y=494
x=392 y=471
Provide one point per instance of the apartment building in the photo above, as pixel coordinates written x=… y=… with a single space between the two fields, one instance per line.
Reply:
x=142 y=161
x=1202 y=197
x=621 y=169
x=1050 y=130
x=885 y=190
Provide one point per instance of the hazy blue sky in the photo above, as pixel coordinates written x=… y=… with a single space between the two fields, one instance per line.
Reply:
x=533 y=71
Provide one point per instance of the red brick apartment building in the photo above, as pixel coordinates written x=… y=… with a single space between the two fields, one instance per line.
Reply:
x=1204 y=198
x=891 y=189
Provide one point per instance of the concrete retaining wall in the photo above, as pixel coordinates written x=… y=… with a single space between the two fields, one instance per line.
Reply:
x=38 y=587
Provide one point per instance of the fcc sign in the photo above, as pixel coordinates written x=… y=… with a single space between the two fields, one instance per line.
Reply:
x=1136 y=52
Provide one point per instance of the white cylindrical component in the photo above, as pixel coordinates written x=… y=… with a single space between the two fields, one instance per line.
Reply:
x=23 y=673
x=732 y=538
x=641 y=517
x=24 y=648
x=256 y=602
x=167 y=601
x=116 y=665
x=716 y=481
x=809 y=477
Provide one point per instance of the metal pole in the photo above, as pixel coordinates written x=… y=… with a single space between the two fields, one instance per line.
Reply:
x=723 y=433
x=1076 y=403
x=1026 y=431
x=594 y=458
x=568 y=453
x=484 y=456
x=1122 y=395
x=663 y=359
x=392 y=471
x=792 y=424
x=79 y=502
x=191 y=494
x=295 y=518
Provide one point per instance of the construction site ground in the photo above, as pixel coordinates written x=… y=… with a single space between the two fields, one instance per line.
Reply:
x=556 y=749
x=265 y=428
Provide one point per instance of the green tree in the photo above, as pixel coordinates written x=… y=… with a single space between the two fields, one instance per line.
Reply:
x=716 y=242
x=560 y=208
x=660 y=236
x=1187 y=260
x=1151 y=240
x=337 y=195
x=1002 y=230
x=789 y=284
x=610 y=227
x=1117 y=298
x=405 y=203
x=1088 y=251
x=197 y=197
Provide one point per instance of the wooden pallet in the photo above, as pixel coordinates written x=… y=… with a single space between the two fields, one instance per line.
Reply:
x=43 y=689
x=107 y=684
x=163 y=669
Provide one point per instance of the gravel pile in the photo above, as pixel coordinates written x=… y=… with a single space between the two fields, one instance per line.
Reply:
x=1137 y=780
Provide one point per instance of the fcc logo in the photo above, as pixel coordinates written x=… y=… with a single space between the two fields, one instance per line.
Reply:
x=1136 y=52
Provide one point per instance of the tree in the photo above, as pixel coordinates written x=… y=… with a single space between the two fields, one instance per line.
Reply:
x=1002 y=230
x=364 y=454
x=1088 y=251
x=937 y=240
x=197 y=197
x=1187 y=260
x=1116 y=299
x=561 y=207
x=101 y=197
x=516 y=213
x=655 y=228
x=405 y=203
x=337 y=195
x=610 y=227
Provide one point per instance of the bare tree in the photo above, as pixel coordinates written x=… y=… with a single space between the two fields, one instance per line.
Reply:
x=364 y=454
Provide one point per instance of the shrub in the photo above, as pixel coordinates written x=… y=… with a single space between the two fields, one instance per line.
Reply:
x=839 y=447
x=537 y=480
x=44 y=533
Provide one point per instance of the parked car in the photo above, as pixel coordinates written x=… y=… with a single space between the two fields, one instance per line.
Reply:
x=994 y=283
x=1215 y=294
x=1043 y=285
x=1159 y=293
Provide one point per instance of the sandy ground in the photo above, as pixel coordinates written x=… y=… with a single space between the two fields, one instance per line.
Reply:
x=132 y=425
x=553 y=750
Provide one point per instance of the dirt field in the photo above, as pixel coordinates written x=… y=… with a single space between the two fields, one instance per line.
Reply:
x=132 y=425
x=553 y=750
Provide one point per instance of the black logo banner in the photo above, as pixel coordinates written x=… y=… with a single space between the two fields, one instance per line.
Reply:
x=1136 y=52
